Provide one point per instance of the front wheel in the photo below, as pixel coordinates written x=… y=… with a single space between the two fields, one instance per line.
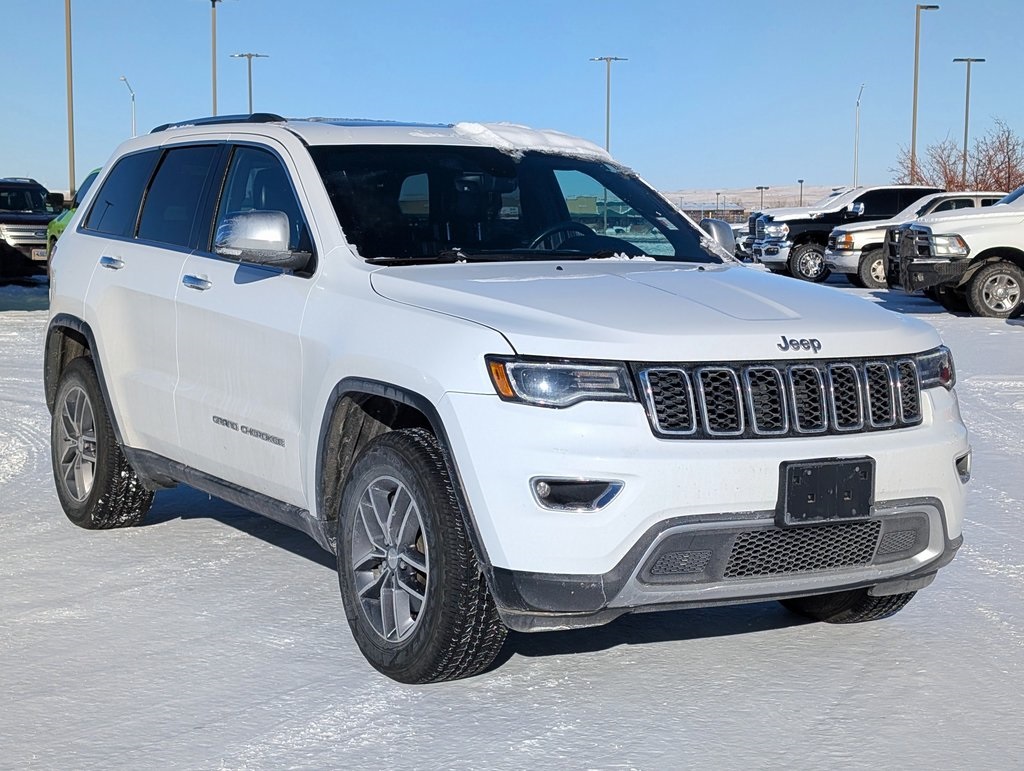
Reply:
x=96 y=486
x=871 y=270
x=416 y=601
x=807 y=262
x=850 y=607
x=995 y=291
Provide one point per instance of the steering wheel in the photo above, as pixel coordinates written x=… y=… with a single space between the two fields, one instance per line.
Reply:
x=569 y=226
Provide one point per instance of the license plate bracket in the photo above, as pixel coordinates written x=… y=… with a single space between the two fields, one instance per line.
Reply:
x=825 y=490
x=39 y=254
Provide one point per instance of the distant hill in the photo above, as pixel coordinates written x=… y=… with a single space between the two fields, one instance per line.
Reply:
x=775 y=196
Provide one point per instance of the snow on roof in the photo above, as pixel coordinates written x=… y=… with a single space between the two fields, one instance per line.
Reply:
x=512 y=137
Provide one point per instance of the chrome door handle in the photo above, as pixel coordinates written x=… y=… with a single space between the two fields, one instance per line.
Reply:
x=114 y=263
x=196 y=282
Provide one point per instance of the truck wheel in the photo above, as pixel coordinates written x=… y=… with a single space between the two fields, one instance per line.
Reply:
x=807 y=262
x=96 y=486
x=995 y=291
x=871 y=271
x=415 y=598
x=851 y=607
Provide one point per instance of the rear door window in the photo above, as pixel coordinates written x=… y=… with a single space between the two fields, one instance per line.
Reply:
x=116 y=207
x=169 y=212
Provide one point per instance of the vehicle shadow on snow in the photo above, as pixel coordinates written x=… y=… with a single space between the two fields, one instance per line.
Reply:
x=644 y=628
x=901 y=302
x=187 y=503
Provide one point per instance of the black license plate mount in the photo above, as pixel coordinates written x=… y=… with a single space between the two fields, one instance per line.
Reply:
x=825 y=490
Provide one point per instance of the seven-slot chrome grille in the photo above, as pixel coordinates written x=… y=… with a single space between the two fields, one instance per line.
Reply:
x=777 y=399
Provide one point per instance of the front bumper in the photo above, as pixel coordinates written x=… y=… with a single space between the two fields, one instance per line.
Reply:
x=922 y=274
x=711 y=561
x=697 y=488
x=844 y=261
x=774 y=254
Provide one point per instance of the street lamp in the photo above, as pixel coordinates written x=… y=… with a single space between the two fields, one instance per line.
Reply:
x=762 y=188
x=856 y=138
x=130 y=91
x=607 y=113
x=71 y=100
x=250 y=57
x=716 y=200
x=967 y=110
x=213 y=49
x=801 y=191
x=917 y=55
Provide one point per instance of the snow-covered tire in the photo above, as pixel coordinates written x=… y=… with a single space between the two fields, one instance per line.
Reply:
x=850 y=607
x=96 y=486
x=807 y=262
x=416 y=601
x=871 y=271
x=996 y=291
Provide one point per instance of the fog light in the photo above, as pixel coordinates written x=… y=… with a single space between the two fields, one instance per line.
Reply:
x=963 y=467
x=574 y=494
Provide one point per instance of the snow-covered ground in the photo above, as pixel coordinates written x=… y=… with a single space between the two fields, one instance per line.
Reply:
x=212 y=638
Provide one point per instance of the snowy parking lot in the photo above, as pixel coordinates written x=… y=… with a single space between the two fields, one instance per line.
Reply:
x=212 y=638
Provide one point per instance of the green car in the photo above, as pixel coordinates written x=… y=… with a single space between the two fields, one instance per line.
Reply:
x=57 y=225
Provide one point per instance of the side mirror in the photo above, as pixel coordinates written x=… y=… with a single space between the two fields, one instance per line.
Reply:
x=855 y=210
x=56 y=200
x=722 y=232
x=259 y=237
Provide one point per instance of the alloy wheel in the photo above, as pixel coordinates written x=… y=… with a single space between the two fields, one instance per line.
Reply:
x=77 y=459
x=390 y=561
x=1001 y=293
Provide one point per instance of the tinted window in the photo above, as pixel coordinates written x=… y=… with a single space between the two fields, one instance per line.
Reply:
x=173 y=199
x=80 y=195
x=879 y=203
x=955 y=203
x=257 y=181
x=116 y=207
x=989 y=201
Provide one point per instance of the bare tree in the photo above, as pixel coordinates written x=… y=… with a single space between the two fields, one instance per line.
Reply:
x=995 y=162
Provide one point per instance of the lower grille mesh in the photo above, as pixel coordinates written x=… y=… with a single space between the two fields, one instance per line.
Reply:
x=676 y=562
x=776 y=552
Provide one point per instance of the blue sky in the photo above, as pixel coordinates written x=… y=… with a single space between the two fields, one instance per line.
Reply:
x=731 y=93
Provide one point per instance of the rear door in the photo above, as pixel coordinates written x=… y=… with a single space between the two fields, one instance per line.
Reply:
x=239 y=350
x=140 y=254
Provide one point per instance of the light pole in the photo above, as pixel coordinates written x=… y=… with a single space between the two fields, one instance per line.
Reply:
x=607 y=113
x=250 y=57
x=130 y=91
x=71 y=100
x=801 y=191
x=762 y=188
x=917 y=56
x=213 y=49
x=856 y=138
x=967 y=110
x=716 y=200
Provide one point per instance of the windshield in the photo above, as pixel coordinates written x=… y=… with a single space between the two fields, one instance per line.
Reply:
x=86 y=184
x=24 y=198
x=409 y=203
x=917 y=208
x=830 y=198
x=1011 y=197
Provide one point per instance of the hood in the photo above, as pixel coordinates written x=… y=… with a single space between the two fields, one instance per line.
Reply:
x=989 y=215
x=654 y=311
x=861 y=227
x=792 y=213
x=25 y=218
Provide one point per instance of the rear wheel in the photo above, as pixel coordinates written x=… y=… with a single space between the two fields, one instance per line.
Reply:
x=871 y=271
x=995 y=291
x=416 y=601
x=96 y=486
x=850 y=607
x=807 y=262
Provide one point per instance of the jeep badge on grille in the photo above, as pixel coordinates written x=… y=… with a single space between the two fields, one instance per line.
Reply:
x=792 y=344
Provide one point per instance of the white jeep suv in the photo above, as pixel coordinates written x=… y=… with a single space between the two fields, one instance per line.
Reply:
x=421 y=346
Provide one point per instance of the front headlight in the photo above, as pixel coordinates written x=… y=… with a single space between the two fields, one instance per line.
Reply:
x=935 y=368
x=559 y=383
x=844 y=241
x=776 y=230
x=949 y=246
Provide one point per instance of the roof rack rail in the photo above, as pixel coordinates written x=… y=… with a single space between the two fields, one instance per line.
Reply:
x=256 y=117
x=27 y=180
